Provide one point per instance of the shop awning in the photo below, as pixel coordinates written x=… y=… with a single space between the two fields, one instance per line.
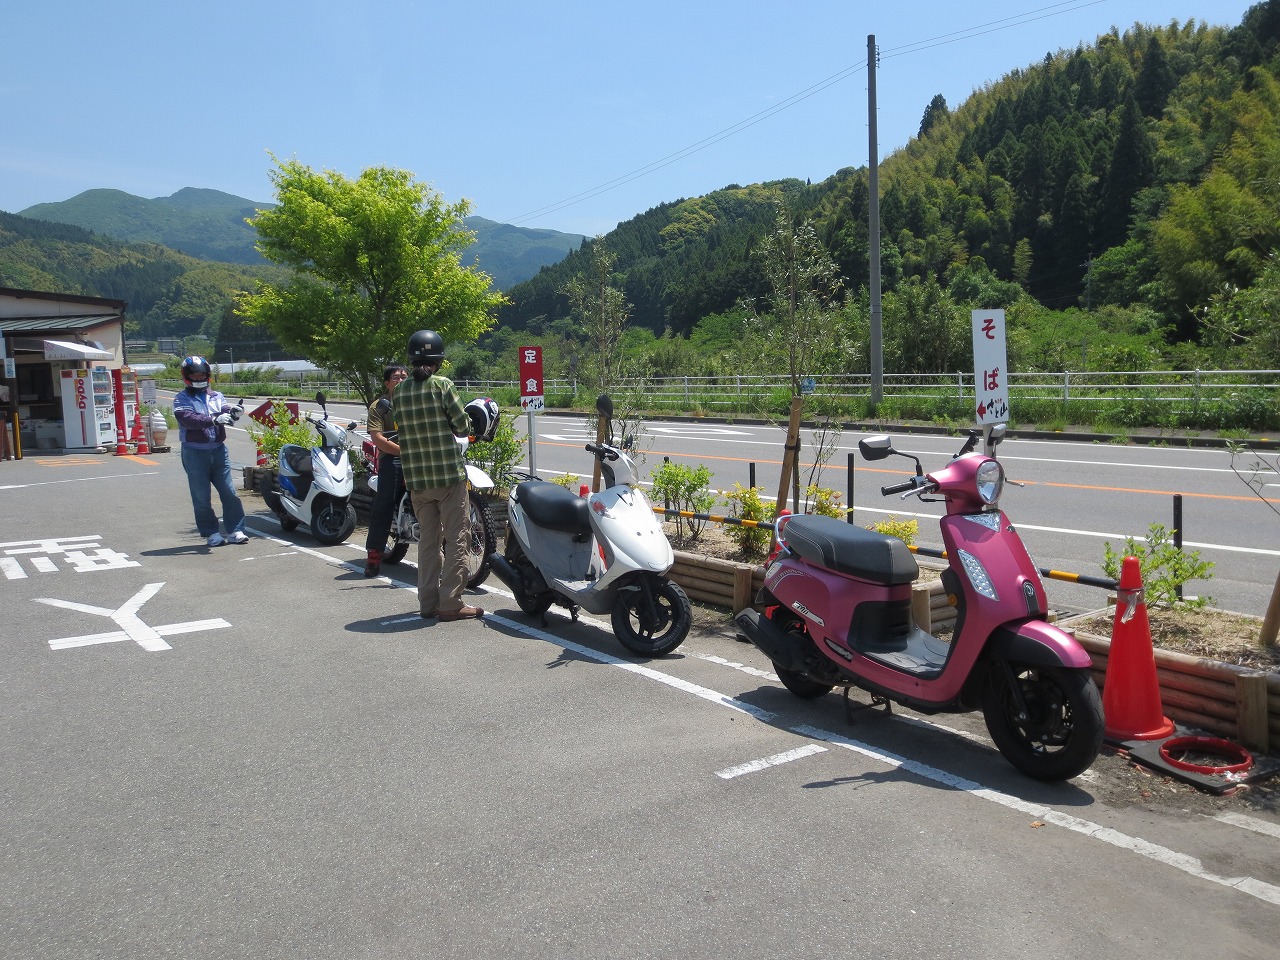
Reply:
x=64 y=350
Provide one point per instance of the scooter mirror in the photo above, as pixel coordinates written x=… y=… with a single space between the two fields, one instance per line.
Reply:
x=604 y=406
x=875 y=448
x=320 y=397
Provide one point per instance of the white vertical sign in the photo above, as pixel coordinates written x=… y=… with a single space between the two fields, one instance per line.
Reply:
x=990 y=373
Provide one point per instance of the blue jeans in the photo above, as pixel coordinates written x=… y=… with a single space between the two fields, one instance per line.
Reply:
x=207 y=468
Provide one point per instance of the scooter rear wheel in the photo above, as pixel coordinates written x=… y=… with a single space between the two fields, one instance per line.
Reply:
x=272 y=500
x=533 y=604
x=397 y=552
x=1060 y=732
x=800 y=685
x=480 y=540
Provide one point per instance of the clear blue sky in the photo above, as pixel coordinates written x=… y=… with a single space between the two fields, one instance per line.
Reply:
x=572 y=115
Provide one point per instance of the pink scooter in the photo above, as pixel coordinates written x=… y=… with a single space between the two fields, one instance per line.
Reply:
x=837 y=613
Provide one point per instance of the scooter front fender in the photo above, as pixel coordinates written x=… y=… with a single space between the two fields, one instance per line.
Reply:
x=1038 y=643
x=478 y=479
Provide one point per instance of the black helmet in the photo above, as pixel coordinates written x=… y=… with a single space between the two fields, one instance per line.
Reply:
x=196 y=372
x=426 y=346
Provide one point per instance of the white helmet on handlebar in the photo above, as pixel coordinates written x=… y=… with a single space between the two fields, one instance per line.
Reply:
x=484 y=418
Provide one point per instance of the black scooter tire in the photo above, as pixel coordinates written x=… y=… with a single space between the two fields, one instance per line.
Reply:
x=675 y=619
x=333 y=522
x=1061 y=734
x=480 y=540
x=272 y=500
x=397 y=552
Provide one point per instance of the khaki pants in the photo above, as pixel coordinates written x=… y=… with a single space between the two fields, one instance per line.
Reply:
x=442 y=570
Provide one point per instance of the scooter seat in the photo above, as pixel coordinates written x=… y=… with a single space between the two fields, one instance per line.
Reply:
x=552 y=507
x=850 y=549
x=297 y=459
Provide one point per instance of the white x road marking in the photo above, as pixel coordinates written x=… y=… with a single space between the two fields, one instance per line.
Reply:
x=131 y=626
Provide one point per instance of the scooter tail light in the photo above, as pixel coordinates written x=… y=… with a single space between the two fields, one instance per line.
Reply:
x=977 y=574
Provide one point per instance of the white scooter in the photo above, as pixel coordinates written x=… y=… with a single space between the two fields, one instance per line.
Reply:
x=482 y=541
x=315 y=484
x=606 y=553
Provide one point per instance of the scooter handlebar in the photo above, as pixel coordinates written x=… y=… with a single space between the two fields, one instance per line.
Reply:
x=898 y=488
x=916 y=485
x=608 y=453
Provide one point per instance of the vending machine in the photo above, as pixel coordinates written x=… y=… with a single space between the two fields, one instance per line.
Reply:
x=88 y=409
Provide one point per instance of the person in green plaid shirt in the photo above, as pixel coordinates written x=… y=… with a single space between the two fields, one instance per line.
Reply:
x=430 y=416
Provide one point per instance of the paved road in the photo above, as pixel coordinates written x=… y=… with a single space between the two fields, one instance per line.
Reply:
x=255 y=752
x=1075 y=498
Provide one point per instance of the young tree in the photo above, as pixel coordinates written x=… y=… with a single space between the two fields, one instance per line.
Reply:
x=799 y=323
x=603 y=311
x=373 y=259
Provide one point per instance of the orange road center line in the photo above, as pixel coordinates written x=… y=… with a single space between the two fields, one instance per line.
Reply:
x=908 y=473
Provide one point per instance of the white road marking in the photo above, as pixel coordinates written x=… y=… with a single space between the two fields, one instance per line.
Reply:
x=777 y=759
x=109 y=476
x=126 y=617
x=1267 y=892
x=1249 y=823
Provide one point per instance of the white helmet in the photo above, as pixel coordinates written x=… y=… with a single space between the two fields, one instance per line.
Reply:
x=484 y=418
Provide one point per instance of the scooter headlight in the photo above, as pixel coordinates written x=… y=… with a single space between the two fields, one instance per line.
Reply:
x=990 y=481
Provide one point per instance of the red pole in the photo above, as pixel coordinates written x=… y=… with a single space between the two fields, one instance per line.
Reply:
x=117 y=381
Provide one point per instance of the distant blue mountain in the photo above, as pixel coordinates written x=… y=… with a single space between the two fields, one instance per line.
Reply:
x=210 y=225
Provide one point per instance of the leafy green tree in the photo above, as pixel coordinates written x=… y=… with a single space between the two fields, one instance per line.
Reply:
x=373 y=259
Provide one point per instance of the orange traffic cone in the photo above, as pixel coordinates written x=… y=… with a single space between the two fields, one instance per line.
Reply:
x=1131 y=692
x=139 y=435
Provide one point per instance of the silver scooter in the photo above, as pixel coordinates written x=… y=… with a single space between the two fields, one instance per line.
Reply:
x=605 y=553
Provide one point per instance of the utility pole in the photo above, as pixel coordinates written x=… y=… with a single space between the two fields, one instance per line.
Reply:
x=873 y=232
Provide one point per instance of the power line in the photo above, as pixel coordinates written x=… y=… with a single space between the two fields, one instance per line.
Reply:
x=1007 y=23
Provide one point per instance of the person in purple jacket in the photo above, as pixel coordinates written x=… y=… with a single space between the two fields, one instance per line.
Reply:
x=202 y=416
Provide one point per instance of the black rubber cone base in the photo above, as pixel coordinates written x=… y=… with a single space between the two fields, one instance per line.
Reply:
x=1147 y=753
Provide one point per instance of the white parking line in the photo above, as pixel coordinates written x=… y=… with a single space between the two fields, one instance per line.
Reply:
x=1267 y=892
x=1249 y=823
x=778 y=758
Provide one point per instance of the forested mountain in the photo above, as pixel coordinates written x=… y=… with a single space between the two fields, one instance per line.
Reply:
x=169 y=294
x=207 y=224
x=210 y=225
x=1120 y=199
x=1141 y=172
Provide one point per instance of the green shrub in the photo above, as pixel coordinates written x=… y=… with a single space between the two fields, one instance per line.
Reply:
x=500 y=455
x=682 y=487
x=1163 y=566
x=824 y=502
x=745 y=503
x=904 y=530
x=271 y=438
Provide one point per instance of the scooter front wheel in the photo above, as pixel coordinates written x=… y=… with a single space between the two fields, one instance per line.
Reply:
x=397 y=552
x=333 y=522
x=1047 y=721
x=652 y=631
